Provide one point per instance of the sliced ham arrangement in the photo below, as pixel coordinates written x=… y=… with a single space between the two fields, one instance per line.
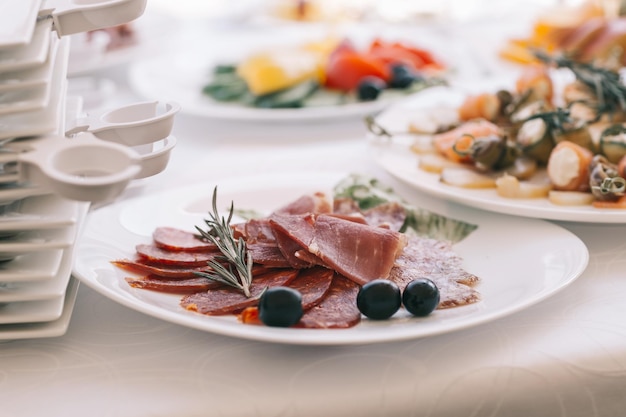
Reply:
x=324 y=249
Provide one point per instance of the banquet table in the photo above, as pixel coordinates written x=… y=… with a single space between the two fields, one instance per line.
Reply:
x=564 y=356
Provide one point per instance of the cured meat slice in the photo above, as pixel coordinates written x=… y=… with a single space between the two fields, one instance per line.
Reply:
x=289 y=249
x=294 y=233
x=156 y=255
x=437 y=261
x=173 y=286
x=228 y=300
x=140 y=266
x=259 y=230
x=173 y=239
x=313 y=203
x=268 y=255
x=359 y=252
x=391 y=215
x=345 y=205
x=313 y=284
x=337 y=310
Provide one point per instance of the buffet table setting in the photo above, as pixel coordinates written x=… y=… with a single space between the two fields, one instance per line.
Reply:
x=545 y=338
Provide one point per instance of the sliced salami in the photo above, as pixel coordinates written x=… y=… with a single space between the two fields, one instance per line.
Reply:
x=268 y=255
x=173 y=286
x=140 y=266
x=313 y=284
x=437 y=261
x=156 y=255
x=172 y=239
x=229 y=300
x=337 y=310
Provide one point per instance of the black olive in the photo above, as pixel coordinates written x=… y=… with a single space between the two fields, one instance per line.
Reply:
x=379 y=299
x=420 y=297
x=369 y=88
x=280 y=307
x=402 y=76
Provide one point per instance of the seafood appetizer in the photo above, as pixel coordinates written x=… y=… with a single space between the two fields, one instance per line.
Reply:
x=535 y=140
x=317 y=262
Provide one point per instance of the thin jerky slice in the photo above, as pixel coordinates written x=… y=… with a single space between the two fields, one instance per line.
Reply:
x=229 y=300
x=173 y=239
x=437 y=261
x=268 y=255
x=156 y=255
x=313 y=203
x=359 y=252
x=173 y=286
x=289 y=249
x=313 y=284
x=337 y=310
x=140 y=266
x=391 y=215
x=258 y=230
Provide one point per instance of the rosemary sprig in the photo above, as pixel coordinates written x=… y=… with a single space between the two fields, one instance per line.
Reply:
x=234 y=252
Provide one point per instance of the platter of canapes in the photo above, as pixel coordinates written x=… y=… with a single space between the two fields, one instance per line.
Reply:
x=551 y=145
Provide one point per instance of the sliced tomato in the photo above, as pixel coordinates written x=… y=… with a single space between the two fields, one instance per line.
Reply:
x=403 y=53
x=345 y=70
x=395 y=55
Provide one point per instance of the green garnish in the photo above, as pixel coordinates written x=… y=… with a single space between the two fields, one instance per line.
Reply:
x=605 y=83
x=370 y=192
x=238 y=269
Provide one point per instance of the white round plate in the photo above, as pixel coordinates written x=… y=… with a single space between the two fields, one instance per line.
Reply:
x=181 y=79
x=540 y=260
x=396 y=157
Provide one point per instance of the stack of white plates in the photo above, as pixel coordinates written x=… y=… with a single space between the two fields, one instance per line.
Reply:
x=38 y=228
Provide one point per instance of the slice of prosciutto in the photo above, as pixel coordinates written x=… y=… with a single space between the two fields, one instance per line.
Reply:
x=359 y=252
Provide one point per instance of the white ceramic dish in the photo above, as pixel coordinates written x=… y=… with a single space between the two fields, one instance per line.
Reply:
x=181 y=79
x=39 y=266
x=32 y=311
x=37 y=240
x=31 y=54
x=28 y=78
x=541 y=260
x=24 y=100
x=131 y=125
x=37 y=213
x=17 y=22
x=31 y=267
x=396 y=158
x=151 y=80
x=49 y=118
x=12 y=192
x=40 y=329
x=33 y=291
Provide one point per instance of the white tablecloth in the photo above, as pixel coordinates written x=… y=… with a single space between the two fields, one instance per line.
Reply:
x=565 y=356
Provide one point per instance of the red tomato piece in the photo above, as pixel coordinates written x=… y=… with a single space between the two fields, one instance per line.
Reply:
x=403 y=53
x=346 y=69
x=395 y=55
